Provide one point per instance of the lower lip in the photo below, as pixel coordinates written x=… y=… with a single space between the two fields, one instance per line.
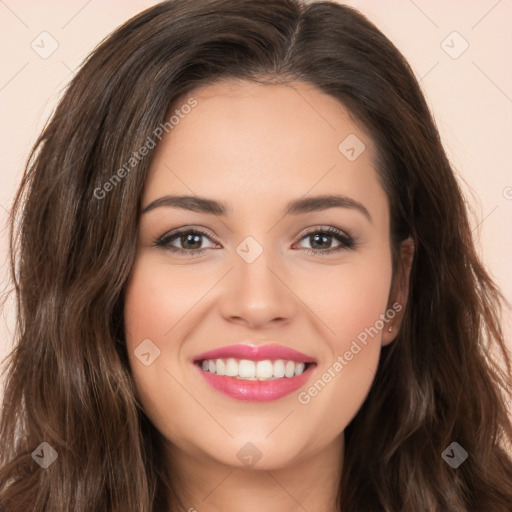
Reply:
x=256 y=390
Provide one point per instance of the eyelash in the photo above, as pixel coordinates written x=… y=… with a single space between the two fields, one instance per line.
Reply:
x=346 y=242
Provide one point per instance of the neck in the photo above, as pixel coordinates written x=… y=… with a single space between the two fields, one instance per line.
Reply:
x=204 y=484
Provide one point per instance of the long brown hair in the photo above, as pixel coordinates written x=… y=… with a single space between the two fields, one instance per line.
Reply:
x=73 y=246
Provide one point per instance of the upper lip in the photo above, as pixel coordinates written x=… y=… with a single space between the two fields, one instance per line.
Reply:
x=271 y=351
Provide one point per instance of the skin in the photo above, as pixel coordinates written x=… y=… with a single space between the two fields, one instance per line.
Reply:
x=257 y=147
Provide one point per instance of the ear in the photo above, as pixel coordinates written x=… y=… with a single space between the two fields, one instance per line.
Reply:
x=399 y=292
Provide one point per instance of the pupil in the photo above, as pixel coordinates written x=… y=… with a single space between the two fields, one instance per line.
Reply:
x=317 y=237
x=192 y=239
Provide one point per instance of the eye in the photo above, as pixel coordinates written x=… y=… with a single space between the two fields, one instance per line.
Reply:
x=190 y=241
x=320 y=241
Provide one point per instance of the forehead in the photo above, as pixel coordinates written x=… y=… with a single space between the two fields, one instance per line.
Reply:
x=257 y=142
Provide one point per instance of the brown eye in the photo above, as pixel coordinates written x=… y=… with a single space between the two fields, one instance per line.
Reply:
x=189 y=240
x=320 y=241
x=194 y=240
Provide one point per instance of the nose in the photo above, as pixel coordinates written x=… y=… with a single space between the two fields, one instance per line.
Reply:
x=257 y=294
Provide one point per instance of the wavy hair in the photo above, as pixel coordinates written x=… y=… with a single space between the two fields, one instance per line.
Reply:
x=444 y=379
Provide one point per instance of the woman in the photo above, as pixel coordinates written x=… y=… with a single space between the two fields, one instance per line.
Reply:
x=246 y=280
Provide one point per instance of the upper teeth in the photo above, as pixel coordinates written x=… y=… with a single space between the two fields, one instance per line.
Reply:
x=253 y=370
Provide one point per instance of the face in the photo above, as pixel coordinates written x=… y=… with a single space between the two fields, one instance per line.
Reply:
x=257 y=273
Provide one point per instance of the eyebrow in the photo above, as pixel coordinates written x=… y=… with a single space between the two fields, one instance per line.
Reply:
x=295 y=207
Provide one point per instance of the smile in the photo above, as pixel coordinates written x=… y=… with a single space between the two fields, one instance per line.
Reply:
x=253 y=373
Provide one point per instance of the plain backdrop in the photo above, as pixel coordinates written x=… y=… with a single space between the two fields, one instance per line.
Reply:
x=459 y=50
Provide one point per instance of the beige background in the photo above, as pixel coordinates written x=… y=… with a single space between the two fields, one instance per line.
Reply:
x=471 y=95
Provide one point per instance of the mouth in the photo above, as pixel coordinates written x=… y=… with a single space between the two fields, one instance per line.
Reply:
x=245 y=369
x=252 y=373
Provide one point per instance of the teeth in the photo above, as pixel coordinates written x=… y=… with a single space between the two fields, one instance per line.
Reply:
x=279 y=368
x=246 y=369
x=220 y=367
x=253 y=370
x=299 y=368
x=231 y=368
x=264 y=370
x=289 y=370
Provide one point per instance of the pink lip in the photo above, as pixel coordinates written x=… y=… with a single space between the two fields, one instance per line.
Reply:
x=271 y=351
x=254 y=390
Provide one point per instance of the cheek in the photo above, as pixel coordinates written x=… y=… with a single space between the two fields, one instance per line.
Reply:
x=152 y=307
x=352 y=306
x=361 y=301
x=158 y=298
x=350 y=299
x=155 y=302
